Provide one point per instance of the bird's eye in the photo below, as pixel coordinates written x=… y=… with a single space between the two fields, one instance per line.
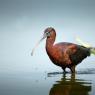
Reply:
x=48 y=33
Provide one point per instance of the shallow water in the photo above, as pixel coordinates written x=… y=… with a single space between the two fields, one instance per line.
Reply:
x=48 y=83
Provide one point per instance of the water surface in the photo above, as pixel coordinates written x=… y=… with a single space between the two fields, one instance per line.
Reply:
x=48 y=83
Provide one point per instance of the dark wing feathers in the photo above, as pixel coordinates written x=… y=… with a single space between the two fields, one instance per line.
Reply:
x=80 y=54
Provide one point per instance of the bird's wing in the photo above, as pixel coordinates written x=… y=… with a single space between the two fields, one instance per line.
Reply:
x=78 y=54
x=71 y=49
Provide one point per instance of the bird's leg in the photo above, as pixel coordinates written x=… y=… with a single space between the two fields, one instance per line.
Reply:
x=72 y=69
x=64 y=70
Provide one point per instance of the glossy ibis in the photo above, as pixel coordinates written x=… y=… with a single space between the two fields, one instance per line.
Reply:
x=64 y=54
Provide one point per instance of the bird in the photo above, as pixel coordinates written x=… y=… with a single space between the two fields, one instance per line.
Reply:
x=64 y=54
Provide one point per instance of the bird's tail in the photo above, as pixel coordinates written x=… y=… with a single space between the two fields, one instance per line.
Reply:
x=92 y=49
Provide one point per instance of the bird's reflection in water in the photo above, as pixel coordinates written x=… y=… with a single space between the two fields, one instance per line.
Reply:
x=71 y=86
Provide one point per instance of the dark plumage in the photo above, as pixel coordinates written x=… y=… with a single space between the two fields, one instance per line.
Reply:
x=64 y=54
x=80 y=54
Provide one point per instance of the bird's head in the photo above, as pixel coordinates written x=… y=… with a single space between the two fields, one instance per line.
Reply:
x=48 y=32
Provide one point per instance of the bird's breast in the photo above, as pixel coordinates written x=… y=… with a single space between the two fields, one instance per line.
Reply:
x=56 y=55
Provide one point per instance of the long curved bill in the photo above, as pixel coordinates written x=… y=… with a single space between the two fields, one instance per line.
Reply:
x=44 y=36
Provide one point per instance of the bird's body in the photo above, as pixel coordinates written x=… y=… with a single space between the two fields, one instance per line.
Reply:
x=64 y=54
